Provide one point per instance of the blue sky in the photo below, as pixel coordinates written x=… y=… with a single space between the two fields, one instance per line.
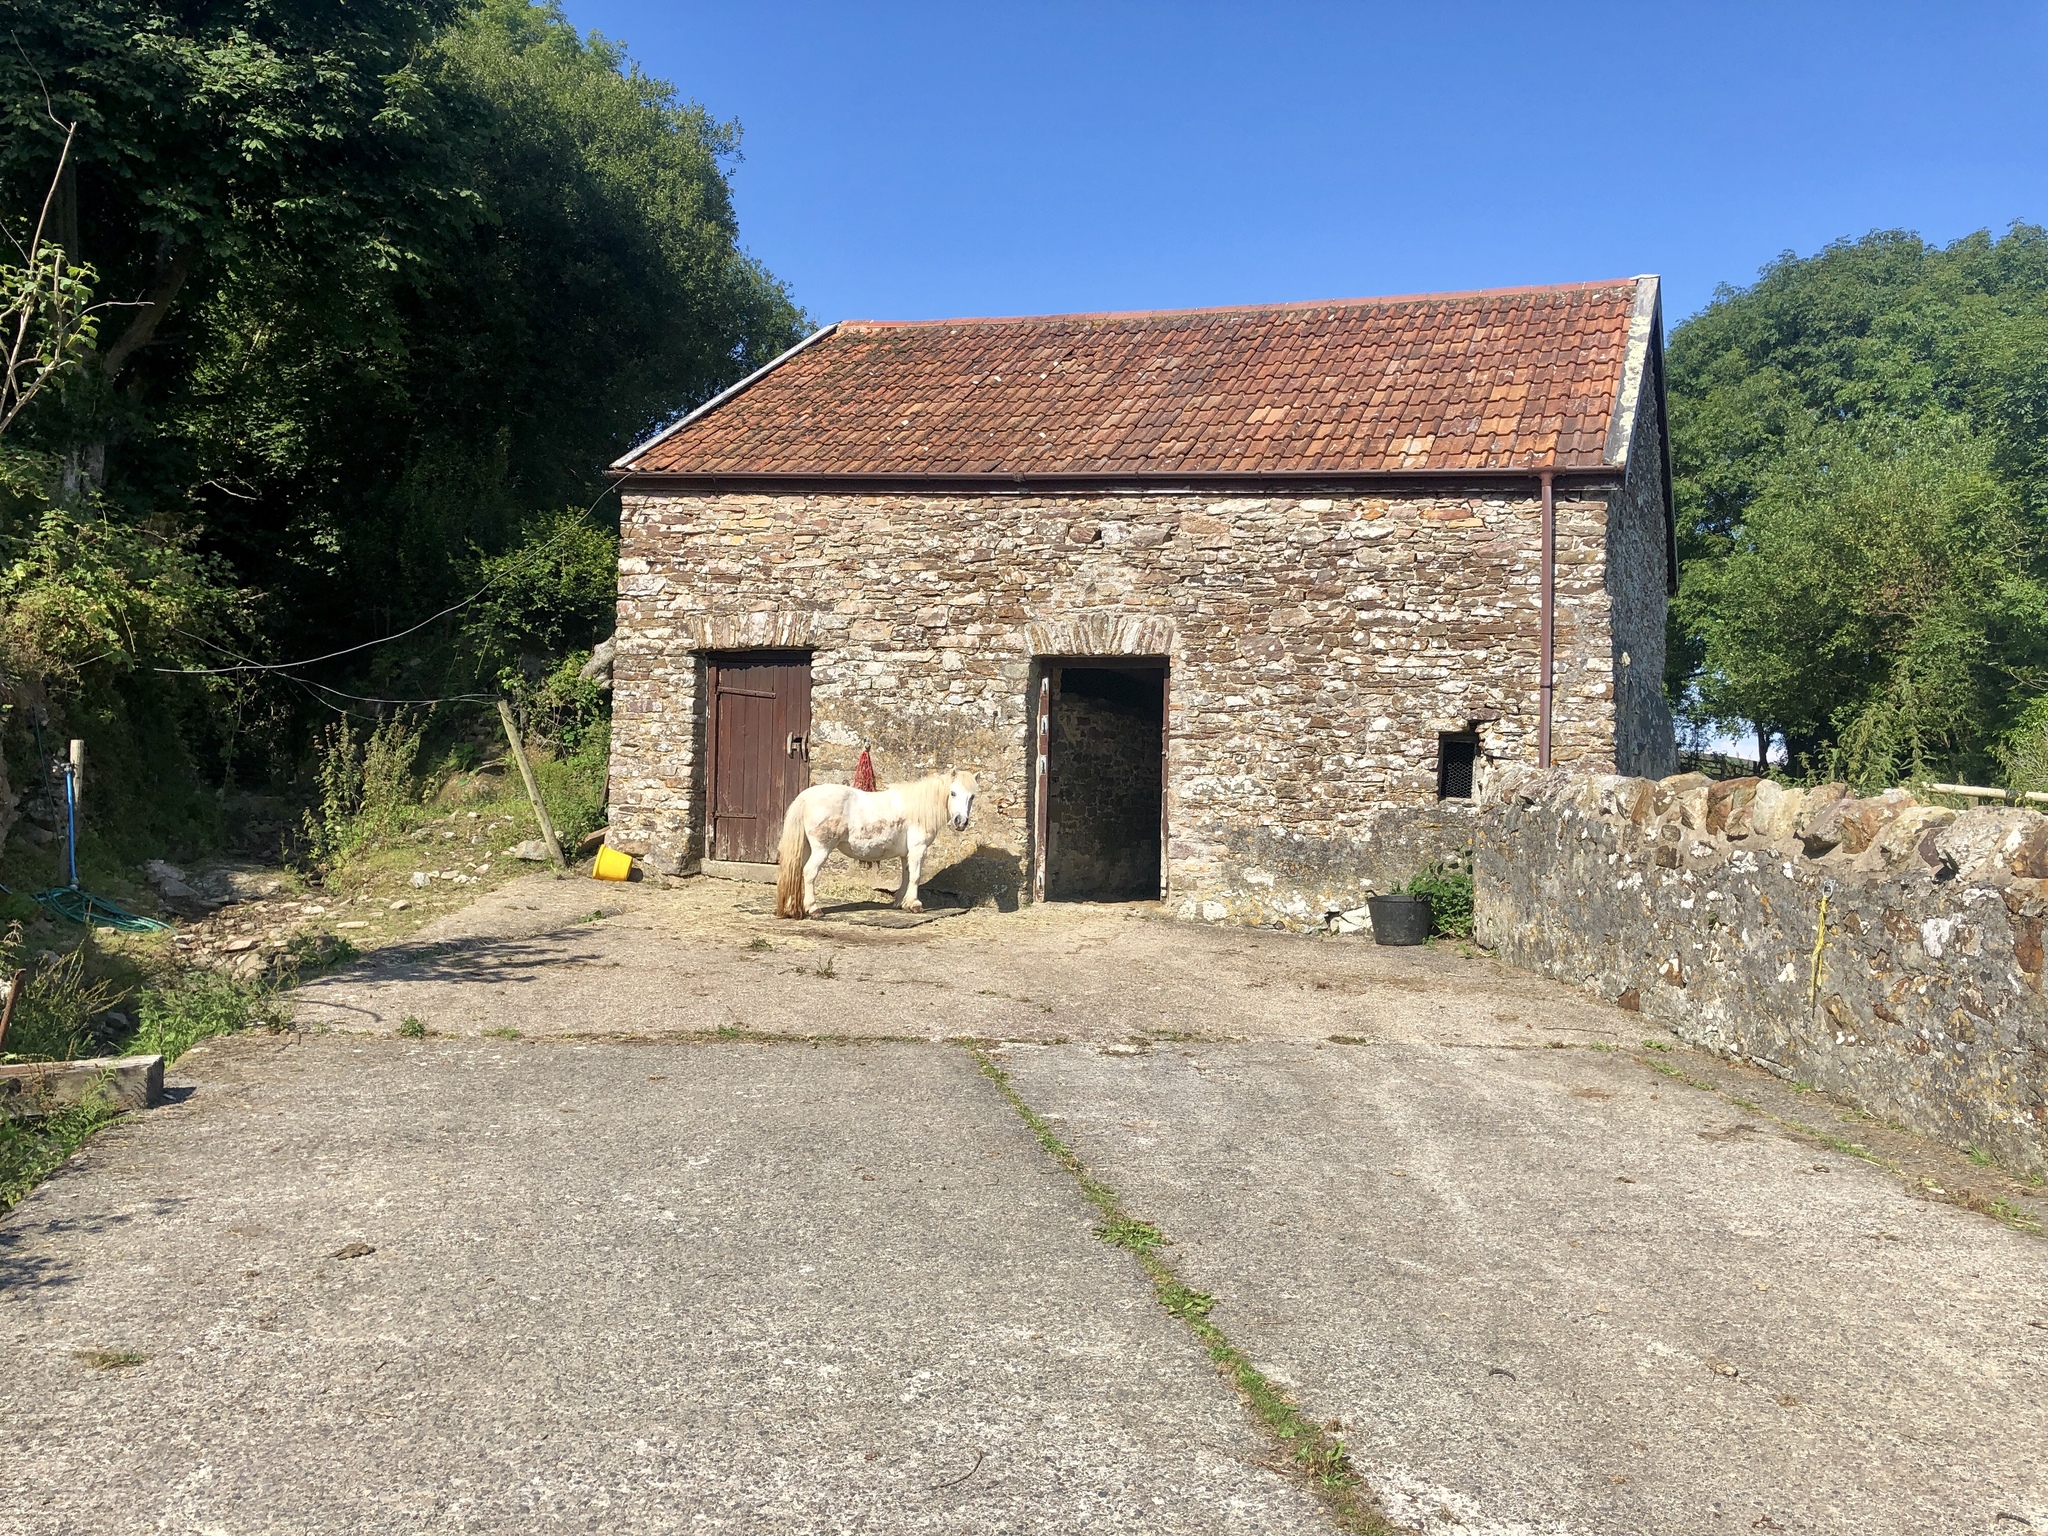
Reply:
x=919 y=160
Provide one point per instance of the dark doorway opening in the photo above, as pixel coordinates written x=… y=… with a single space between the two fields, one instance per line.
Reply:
x=1105 y=783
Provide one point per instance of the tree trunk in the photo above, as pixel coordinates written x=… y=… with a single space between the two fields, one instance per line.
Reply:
x=172 y=270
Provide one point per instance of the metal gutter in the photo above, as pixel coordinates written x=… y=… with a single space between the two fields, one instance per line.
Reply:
x=624 y=463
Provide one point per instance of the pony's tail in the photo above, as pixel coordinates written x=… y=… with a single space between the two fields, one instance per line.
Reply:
x=789 y=873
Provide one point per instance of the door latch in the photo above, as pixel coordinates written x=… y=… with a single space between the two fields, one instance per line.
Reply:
x=798 y=746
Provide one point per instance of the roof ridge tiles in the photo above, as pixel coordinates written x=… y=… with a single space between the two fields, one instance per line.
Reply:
x=1293 y=305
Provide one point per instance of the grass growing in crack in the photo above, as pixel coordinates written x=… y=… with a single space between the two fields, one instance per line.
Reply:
x=412 y=1027
x=1314 y=1452
x=2011 y=1215
x=2000 y=1210
x=108 y=1359
x=501 y=1034
x=1665 y=1069
x=1131 y=1233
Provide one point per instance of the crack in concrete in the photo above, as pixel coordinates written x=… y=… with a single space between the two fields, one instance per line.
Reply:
x=1309 y=1451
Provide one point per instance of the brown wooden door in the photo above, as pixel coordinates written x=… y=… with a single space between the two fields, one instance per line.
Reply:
x=760 y=729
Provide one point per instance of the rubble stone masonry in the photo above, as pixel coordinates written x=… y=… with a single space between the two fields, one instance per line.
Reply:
x=1317 y=647
x=1883 y=950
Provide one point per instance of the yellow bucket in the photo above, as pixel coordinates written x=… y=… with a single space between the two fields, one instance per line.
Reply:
x=611 y=864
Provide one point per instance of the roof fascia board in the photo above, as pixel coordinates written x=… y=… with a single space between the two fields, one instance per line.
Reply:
x=1642 y=325
x=624 y=463
x=654 y=481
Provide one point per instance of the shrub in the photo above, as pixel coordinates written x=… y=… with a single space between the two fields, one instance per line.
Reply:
x=366 y=786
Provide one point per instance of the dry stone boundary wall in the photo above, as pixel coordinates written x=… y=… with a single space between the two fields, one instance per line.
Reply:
x=1880 y=949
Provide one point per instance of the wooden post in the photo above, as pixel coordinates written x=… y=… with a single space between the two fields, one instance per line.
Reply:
x=540 y=811
x=13 y=997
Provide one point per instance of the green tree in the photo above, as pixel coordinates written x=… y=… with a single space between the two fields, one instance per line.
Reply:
x=1878 y=594
x=1860 y=458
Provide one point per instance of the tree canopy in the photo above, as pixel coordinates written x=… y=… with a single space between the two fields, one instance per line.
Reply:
x=383 y=286
x=1860 y=458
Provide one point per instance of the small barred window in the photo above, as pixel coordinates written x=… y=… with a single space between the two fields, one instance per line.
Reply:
x=1455 y=757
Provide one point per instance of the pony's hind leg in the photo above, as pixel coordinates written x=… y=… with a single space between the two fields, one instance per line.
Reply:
x=820 y=852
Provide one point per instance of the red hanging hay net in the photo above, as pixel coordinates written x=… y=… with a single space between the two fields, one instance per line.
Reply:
x=864 y=772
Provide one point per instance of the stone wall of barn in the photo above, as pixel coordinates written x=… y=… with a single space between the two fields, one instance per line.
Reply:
x=1638 y=593
x=1318 y=646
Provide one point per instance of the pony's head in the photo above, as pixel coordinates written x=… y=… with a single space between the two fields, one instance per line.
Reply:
x=960 y=800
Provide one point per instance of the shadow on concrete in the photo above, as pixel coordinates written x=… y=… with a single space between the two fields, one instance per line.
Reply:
x=987 y=874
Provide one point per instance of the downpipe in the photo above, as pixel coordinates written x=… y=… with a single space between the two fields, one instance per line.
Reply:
x=1546 y=685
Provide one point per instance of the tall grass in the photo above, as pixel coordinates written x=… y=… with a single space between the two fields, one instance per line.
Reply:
x=59 y=1004
x=59 y=1019
x=31 y=1150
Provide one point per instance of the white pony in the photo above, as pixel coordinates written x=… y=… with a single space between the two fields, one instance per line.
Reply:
x=894 y=823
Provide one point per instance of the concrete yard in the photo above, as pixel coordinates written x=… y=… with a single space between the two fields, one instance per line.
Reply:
x=684 y=1219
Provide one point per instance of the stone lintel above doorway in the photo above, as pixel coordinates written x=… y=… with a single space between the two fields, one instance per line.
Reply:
x=1101 y=634
x=749 y=632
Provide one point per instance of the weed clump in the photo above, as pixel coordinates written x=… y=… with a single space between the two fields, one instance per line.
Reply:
x=412 y=1027
x=199 y=1005
x=1450 y=899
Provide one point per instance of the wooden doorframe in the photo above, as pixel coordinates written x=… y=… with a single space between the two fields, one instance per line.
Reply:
x=1165 y=765
x=713 y=660
x=1048 y=674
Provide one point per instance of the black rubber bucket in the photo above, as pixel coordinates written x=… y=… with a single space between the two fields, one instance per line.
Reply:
x=1399 y=919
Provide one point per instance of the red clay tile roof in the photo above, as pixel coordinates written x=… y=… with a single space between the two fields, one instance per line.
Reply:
x=1495 y=380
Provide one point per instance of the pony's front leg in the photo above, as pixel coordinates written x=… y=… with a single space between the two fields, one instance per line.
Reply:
x=913 y=870
x=820 y=852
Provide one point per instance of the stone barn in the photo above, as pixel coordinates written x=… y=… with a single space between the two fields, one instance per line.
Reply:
x=1226 y=607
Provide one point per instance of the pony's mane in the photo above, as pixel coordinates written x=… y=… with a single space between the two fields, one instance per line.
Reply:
x=924 y=800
